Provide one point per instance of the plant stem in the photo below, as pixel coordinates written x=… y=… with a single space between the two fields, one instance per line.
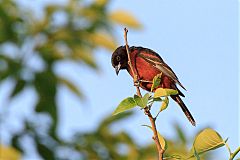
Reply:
x=229 y=150
x=234 y=153
x=146 y=109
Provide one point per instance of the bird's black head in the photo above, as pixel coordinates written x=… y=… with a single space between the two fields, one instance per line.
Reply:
x=120 y=59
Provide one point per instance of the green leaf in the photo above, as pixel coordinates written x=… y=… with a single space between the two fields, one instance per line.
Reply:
x=164 y=104
x=141 y=102
x=138 y=101
x=18 y=87
x=146 y=98
x=15 y=142
x=44 y=151
x=156 y=82
x=46 y=86
x=206 y=140
x=162 y=141
x=163 y=92
x=126 y=104
x=158 y=99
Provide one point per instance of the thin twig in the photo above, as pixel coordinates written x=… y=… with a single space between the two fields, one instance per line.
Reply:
x=135 y=78
x=229 y=150
x=146 y=109
x=234 y=153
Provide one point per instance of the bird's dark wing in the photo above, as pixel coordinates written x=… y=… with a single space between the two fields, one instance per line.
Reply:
x=154 y=59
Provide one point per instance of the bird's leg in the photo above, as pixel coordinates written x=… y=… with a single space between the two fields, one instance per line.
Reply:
x=141 y=80
x=136 y=81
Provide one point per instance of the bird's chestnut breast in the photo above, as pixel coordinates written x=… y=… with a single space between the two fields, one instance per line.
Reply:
x=146 y=72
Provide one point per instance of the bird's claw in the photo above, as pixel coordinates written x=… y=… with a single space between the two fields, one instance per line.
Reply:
x=136 y=81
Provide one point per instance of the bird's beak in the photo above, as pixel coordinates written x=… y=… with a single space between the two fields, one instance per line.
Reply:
x=117 y=68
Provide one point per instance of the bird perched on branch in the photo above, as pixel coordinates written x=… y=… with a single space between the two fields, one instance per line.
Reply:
x=146 y=64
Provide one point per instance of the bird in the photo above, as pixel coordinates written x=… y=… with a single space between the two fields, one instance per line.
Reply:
x=146 y=64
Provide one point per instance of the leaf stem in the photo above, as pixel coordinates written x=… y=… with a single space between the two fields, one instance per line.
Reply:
x=229 y=150
x=146 y=109
x=234 y=153
x=157 y=114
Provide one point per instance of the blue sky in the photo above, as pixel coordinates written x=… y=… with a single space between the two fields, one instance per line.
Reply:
x=198 y=40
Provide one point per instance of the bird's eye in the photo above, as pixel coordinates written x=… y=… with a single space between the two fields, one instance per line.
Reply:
x=118 y=58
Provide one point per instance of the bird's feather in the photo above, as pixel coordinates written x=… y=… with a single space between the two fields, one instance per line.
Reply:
x=163 y=67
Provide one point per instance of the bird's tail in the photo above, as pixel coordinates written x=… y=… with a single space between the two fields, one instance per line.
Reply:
x=184 y=109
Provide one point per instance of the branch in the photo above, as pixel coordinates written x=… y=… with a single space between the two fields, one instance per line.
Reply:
x=146 y=109
x=234 y=153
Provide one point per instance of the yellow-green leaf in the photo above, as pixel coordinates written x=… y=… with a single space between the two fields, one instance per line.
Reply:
x=206 y=140
x=103 y=40
x=126 y=104
x=61 y=34
x=84 y=55
x=125 y=18
x=9 y=153
x=101 y=2
x=50 y=9
x=162 y=141
x=89 y=13
x=142 y=102
x=156 y=82
x=163 y=92
x=164 y=104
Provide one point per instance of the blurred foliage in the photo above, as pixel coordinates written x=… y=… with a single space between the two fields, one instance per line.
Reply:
x=104 y=144
x=46 y=40
x=25 y=37
x=9 y=153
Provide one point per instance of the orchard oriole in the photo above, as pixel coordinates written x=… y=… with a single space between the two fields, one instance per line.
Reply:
x=147 y=64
